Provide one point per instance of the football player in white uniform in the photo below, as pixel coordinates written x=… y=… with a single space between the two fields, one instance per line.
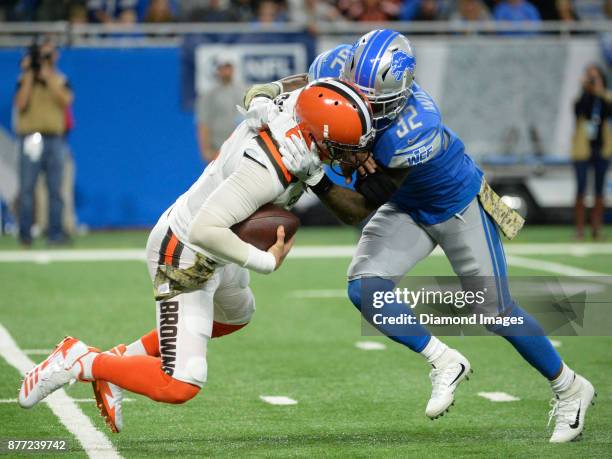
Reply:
x=199 y=267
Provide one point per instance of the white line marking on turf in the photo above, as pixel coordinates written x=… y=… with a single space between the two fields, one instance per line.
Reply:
x=313 y=251
x=48 y=256
x=370 y=346
x=77 y=400
x=37 y=351
x=556 y=343
x=553 y=267
x=499 y=396
x=278 y=400
x=94 y=442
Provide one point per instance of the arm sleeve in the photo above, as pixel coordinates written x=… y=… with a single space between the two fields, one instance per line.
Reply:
x=242 y=193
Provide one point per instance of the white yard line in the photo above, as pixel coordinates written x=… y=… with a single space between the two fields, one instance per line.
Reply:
x=48 y=256
x=278 y=400
x=77 y=400
x=94 y=443
x=303 y=252
x=498 y=396
x=370 y=346
x=37 y=351
x=554 y=267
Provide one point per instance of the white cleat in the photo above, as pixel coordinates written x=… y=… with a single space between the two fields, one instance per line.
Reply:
x=452 y=369
x=569 y=410
x=109 y=397
x=57 y=370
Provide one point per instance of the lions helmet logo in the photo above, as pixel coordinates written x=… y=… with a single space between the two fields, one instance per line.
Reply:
x=400 y=61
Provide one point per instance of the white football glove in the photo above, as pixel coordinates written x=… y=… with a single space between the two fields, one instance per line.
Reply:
x=301 y=161
x=261 y=111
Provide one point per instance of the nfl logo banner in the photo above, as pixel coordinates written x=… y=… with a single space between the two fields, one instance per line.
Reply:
x=257 y=58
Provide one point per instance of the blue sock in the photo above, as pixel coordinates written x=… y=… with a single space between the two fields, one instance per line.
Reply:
x=532 y=343
x=362 y=291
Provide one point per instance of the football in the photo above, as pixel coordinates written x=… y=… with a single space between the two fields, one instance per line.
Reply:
x=260 y=228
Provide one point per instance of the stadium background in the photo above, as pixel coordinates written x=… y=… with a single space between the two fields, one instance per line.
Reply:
x=506 y=88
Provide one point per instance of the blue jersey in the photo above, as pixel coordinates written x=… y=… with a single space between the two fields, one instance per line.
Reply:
x=442 y=179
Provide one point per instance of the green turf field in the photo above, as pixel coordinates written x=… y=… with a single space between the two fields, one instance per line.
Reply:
x=351 y=402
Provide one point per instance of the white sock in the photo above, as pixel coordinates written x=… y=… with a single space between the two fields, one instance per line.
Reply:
x=434 y=349
x=564 y=380
x=136 y=348
x=84 y=370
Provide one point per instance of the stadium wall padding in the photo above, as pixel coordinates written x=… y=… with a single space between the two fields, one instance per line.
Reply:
x=135 y=144
x=134 y=147
x=134 y=140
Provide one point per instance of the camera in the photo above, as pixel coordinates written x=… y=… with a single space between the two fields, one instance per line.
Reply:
x=35 y=57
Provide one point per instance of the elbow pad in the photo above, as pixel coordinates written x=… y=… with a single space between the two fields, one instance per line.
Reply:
x=376 y=188
x=269 y=90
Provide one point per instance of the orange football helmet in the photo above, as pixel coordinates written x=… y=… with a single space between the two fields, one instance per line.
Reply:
x=338 y=117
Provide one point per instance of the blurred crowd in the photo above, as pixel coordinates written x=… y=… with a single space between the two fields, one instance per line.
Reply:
x=301 y=11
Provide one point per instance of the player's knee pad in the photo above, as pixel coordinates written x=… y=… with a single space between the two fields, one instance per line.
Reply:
x=177 y=392
x=249 y=305
x=235 y=305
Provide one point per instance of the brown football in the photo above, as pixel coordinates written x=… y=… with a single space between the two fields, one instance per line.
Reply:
x=260 y=228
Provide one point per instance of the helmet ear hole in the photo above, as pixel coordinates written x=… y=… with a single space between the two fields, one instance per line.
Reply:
x=336 y=103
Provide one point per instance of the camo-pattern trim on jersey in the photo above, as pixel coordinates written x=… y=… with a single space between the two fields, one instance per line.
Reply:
x=171 y=280
x=508 y=220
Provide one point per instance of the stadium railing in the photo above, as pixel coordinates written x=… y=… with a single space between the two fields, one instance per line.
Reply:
x=20 y=33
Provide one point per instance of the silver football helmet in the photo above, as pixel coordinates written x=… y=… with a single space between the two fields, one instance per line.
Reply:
x=382 y=65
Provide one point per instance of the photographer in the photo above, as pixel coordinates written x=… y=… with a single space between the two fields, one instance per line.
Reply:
x=43 y=94
x=592 y=146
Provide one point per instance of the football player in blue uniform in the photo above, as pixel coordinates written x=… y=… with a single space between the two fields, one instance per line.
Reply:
x=329 y=64
x=427 y=192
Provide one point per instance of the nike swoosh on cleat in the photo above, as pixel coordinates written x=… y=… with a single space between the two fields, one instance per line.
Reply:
x=576 y=423
x=110 y=400
x=459 y=375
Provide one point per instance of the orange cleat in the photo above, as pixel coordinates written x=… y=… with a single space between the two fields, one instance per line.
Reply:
x=109 y=397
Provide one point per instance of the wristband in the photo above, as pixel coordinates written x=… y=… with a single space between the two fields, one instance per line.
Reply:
x=323 y=187
x=260 y=261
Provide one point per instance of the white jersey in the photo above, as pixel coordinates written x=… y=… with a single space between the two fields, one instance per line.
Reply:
x=244 y=144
